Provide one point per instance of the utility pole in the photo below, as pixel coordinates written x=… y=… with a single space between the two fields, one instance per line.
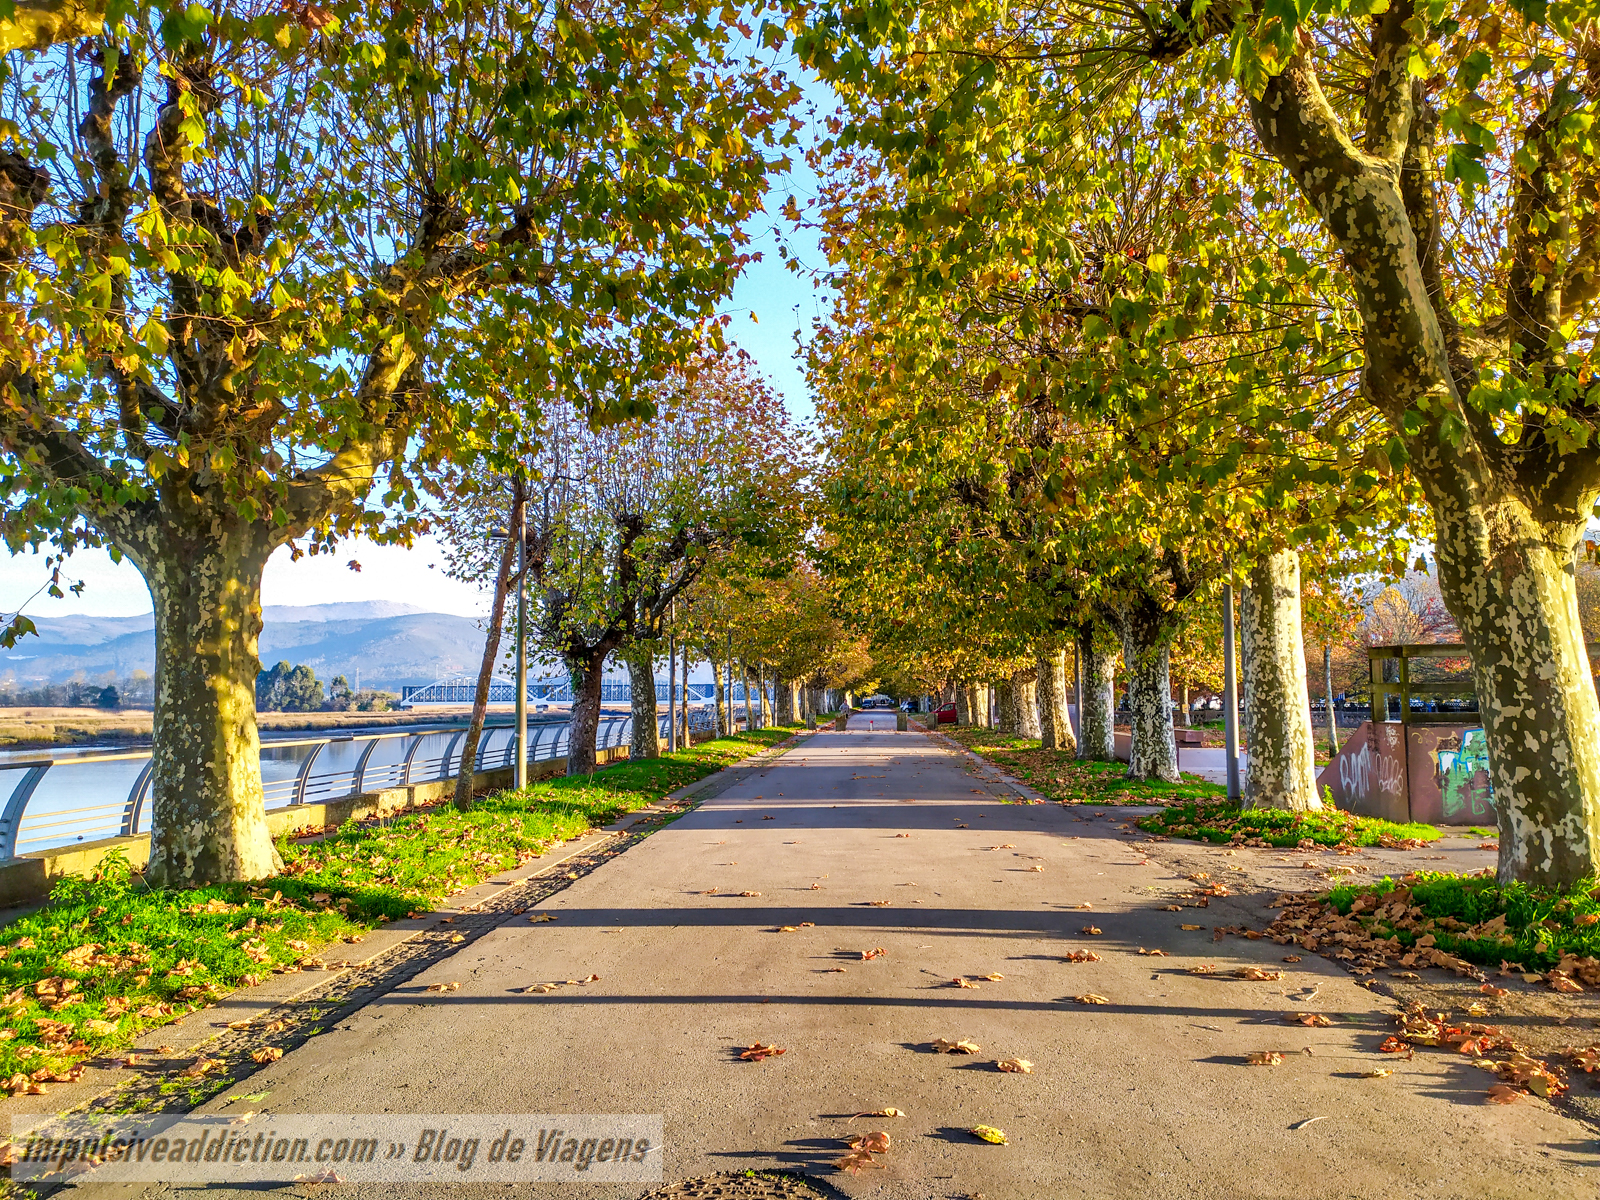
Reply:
x=520 y=777
x=1230 y=694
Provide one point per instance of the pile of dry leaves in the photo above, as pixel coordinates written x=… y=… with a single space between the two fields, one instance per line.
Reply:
x=1491 y=1049
x=1367 y=938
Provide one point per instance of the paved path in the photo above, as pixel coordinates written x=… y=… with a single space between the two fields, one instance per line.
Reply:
x=893 y=839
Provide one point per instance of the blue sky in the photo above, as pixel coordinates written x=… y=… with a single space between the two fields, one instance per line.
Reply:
x=781 y=303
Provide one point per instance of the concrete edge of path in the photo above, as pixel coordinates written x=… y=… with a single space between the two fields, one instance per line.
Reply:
x=193 y=1030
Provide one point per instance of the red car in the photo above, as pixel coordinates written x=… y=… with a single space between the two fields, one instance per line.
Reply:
x=945 y=714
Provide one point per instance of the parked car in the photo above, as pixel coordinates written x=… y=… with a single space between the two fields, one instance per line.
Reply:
x=945 y=714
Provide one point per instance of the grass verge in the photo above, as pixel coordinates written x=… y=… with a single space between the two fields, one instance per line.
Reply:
x=1474 y=918
x=1064 y=778
x=1221 y=822
x=109 y=957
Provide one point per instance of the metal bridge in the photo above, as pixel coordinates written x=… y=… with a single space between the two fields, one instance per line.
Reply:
x=555 y=691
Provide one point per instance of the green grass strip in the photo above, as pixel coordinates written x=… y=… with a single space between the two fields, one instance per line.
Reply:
x=109 y=957
x=1219 y=822
x=1069 y=780
x=1541 y=926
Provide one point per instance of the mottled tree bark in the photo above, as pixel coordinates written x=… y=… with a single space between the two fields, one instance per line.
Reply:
x=1097 y=717
x=646 y=740
x=722 y=727
x=1511 y=585
x=1055 y=729
x=208 y=820
x=1008 y=719
x=1280 y=771
x=1024 y=688
x=749 y=703
x=1146 y=650
x=766 y=701
x=787 y=702
x=588 y=673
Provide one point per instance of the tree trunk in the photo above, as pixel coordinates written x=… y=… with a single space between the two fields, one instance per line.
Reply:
x=491 y=653
x=1055 y=730
x=208 y=821
x=749 y=709
x=1024 y=686
x=1097 y=716
x=1511 y=586
x=1006 y=711
x=1146 y=649
x=787 y=702
x=721 y=728
x=683 y=700
x=964 y=703
x=1280 y=771
x=646 y=740
x=766 y=702
x=587 y=676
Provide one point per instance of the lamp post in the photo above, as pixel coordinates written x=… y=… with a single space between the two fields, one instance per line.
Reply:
x=672 y=682
x=1230 y=694
x=520 y=776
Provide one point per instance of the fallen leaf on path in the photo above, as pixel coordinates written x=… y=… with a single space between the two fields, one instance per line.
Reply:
x=1203 y=969
x=1172 y=908
x=266 y=1054
x=758 y=1052
x=1378 y=1073
x=880 y=1112
x=1504 y=1093
x=540 y=918
x=880 y=903
x=1489 y=989
x=990 y=1134
x=1091 y=998
x=855 y=1161
x=1258 y=973
x=902 y=835
x=834 y=970
x=588 y=979
x=200 y=1066
x=443 y=987
x=326 y=1175
x=1408 y=976
x=1310 y=1020
x=1084 y=906
x=1020 y=1066
x=1004 y=846
x=749 y=893
x=1082 y=956
x=794 y=928
x=994 y=977
x=244 y=1024
x=1291 y=958
x=1477 y=1009
x=1191 y=927
x=1395 y=1045
x=457 y=937
x=1263 y=1058
x=879 y=952
x=961 y=982
x=1090 y=930
x=1153 y=953
x=1036 y=867
x=945 y=1046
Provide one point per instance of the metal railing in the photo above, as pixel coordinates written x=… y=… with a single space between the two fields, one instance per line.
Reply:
x=56 y=801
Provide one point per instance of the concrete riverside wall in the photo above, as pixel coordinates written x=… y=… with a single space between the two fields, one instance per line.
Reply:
x=29 y=878
x=1433 y=773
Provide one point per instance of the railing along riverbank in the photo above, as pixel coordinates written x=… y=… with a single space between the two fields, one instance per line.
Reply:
x=56 y=800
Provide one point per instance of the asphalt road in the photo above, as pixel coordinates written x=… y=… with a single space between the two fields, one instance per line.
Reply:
x=894 y=840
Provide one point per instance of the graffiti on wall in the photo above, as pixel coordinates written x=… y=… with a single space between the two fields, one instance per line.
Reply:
x=1461 y=769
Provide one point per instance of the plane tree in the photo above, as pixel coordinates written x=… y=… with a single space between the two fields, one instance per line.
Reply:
x=1445 y=155
x=244 y=252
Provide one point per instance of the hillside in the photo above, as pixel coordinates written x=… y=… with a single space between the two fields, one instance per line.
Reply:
x=388 y=643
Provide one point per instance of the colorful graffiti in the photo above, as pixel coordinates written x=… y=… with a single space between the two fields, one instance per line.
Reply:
x=1462 y=773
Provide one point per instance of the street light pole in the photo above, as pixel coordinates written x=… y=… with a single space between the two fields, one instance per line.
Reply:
x=1230 y=694
x=521 y=523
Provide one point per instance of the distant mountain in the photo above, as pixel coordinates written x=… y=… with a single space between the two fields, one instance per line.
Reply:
x=385 y=642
